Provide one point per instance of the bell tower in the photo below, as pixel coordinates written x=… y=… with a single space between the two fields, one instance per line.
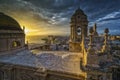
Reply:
x=78 y=28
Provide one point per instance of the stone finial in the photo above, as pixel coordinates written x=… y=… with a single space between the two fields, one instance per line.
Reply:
x=91 y=49
x=106 y=31
x=91 y=30
x=91 y=35
x=92 y=58
x=105 y=46
x=95 y=27
x=23 y=28
x=95 y=30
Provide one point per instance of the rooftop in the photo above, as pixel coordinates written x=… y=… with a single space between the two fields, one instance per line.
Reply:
x=8 y=23
x=50 y=60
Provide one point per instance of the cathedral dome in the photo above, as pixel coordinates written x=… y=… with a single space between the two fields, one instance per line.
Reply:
x=8 y=23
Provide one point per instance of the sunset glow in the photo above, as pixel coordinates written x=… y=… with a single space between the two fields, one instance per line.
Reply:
x=52 y=17
x=59 y=39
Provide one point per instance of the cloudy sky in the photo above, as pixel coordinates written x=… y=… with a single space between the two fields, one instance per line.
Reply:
x=45 y=17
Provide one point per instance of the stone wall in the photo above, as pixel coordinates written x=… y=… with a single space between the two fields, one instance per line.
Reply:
x=7 y=40
x=17 y=72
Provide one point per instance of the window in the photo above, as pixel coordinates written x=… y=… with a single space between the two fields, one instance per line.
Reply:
x=78 y=16
x=15 y=44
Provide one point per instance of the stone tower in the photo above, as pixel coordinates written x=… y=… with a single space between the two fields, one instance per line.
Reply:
x=79 y=28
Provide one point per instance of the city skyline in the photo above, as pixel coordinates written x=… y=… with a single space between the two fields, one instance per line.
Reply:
x=52 y=17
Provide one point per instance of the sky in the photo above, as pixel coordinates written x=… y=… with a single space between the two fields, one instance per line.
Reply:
x=52 y=17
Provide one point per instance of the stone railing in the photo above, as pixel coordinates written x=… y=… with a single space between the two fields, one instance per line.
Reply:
x=18 y=72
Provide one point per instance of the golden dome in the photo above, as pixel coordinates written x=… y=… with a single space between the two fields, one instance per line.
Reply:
x=8 y=23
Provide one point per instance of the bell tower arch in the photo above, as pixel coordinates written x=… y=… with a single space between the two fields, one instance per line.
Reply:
x=78 y=28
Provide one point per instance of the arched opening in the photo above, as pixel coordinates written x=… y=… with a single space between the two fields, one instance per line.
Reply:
x=78 y=33
x=78 y=30
x=16 y=44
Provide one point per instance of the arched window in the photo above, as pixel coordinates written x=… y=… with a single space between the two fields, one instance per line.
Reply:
x=15 y=44
x=79 y=30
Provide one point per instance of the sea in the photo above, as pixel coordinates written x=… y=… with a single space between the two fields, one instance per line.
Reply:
x=35 y=39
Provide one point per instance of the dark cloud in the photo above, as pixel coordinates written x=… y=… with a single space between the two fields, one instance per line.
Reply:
x=57 y=13
x=111 y=19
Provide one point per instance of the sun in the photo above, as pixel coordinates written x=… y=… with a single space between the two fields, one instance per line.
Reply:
x=26 y=31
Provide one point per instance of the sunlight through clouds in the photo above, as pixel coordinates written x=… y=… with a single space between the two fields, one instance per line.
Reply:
x=53 y=16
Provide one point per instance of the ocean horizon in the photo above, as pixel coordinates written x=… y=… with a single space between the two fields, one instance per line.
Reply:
x=36 y=39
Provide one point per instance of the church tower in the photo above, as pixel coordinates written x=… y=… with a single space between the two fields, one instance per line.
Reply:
x=79 y=28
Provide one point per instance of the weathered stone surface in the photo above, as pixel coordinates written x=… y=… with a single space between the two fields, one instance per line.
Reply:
x=16 y=72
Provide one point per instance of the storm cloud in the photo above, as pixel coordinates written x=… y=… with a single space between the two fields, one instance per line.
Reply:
x=54 y=15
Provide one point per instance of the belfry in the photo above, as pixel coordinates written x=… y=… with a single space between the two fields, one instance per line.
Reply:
x=79 y=28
